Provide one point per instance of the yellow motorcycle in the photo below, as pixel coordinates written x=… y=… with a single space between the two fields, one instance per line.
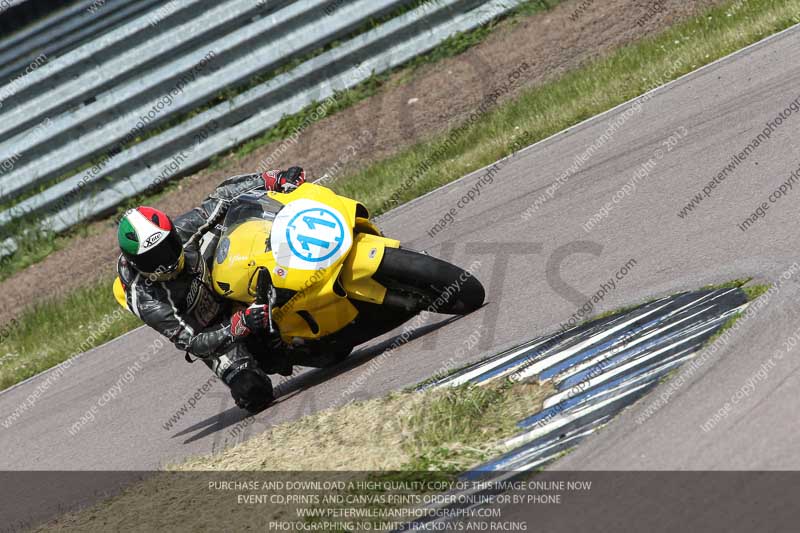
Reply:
x=329 y=276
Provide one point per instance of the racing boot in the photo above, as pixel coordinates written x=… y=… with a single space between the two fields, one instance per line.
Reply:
x=250 y=386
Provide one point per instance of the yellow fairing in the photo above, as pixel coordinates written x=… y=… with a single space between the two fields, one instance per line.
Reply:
x=321 y=300
x=360 y=266
x=119 y=293
x=315 y=311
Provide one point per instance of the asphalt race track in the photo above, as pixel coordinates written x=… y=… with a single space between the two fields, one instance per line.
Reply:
x=538 y=272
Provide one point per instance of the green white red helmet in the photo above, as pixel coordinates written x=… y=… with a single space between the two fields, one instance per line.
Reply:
x=148 y=241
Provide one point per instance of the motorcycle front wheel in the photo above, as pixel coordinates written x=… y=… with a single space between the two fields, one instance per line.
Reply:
x=429 y=283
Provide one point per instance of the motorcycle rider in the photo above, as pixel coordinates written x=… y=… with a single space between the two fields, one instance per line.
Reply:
x=166 y=278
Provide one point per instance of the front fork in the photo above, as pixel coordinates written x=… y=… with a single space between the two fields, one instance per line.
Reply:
x=266 y=295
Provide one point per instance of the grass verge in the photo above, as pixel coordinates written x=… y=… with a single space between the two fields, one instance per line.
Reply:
x=48 y=334
x=541 y=112
x=404 y=436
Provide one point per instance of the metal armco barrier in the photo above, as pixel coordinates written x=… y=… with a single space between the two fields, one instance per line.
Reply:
x=88 y=108
x=66 y=29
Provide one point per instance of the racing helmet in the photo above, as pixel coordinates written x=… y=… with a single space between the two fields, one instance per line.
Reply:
x=150 y=243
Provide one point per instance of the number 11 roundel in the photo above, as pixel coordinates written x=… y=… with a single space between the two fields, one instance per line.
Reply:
x=309 y=235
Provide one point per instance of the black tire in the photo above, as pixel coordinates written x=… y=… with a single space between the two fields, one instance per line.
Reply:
x=434 y=283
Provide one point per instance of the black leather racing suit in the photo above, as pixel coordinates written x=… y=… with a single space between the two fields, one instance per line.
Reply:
x=188 y=312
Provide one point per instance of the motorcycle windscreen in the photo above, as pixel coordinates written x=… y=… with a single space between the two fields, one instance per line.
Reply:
x=245 y=237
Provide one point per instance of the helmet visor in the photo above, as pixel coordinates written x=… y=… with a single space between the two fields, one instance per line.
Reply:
x=165 y=258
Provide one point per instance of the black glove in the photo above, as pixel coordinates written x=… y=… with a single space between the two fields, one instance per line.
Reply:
x=254 y=318
x=290 y=179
